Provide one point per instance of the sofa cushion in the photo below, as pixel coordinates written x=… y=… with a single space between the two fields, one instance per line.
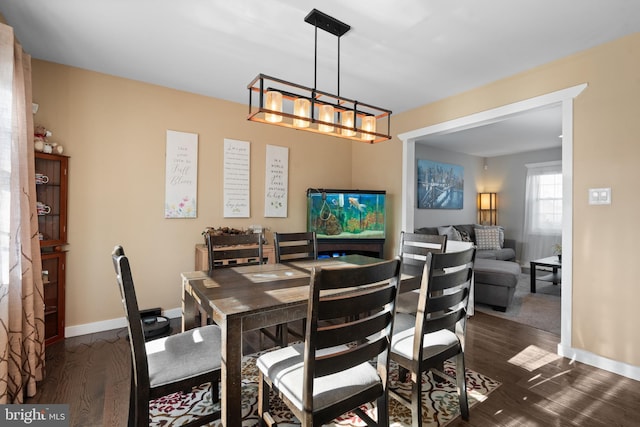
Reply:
x=467 y=232
x=492 y=227
x=488 y=238
x=495 y=272
x=504 y=254
x=427 y=230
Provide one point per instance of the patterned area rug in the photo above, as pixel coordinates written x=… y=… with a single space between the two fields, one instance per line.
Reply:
x=439 y=401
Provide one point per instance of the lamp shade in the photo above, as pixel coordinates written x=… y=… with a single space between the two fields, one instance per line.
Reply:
x=348 y=121
x=368 y=125
x=326 y=115
x=487 y=208
x=301 y=108
x=274 y=103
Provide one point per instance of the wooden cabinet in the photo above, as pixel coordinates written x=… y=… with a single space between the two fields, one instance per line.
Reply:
x=53 y=269
x=51 y=191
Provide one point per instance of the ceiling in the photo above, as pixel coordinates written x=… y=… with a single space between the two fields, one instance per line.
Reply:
x=397 y=55
x=535 y=129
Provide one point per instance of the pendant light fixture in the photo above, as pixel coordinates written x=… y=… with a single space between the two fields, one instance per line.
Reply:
x=282 y=103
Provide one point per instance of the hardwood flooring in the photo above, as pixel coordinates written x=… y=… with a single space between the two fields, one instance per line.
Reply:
x=91 y=374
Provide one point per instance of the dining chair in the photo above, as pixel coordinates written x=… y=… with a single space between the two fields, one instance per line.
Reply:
x=295 y=246
x=414 y=248
x=298 y=246
x=342 y=363
x=235 y=250
x=422 y=342
x=176 y=363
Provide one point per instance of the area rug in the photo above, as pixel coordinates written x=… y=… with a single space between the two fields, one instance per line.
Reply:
x=439 y=401
x=540 y=310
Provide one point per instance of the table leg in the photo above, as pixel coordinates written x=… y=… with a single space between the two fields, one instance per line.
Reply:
x=231 y=390
x=555 y=274
x=533 y=277
x=188 y=307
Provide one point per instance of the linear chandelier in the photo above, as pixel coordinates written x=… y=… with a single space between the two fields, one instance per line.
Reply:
x=291 y=105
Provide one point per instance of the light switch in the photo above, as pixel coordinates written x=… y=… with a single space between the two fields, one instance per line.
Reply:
x=600 y=196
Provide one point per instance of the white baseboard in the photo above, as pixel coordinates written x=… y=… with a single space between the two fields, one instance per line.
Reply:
x=620 y=368
x=107 y=325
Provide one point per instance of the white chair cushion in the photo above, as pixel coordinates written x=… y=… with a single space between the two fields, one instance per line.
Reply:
x=434 y=343
x=285 y=369
x=183 y=355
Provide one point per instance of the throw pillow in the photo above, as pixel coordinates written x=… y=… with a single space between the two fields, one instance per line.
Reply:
x=450 y=232
x=465 y=237
x=497 y=227
x=488 y=238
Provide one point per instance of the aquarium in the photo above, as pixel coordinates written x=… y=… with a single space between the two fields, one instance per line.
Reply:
x=346 y=214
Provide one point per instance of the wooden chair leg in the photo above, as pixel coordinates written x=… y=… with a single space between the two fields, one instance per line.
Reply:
x=462 y=386
x=416 y=401
x=132 y=404
x=215 y=391
x=263 y=398
x=383 y=411
x=402 y=373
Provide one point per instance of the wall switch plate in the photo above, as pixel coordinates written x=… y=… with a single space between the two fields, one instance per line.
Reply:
x=600 y=196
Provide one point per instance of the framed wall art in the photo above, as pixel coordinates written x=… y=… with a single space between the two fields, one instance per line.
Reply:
x=440 y=185
x=276 y=182
x=237 y=175
x=181 y=175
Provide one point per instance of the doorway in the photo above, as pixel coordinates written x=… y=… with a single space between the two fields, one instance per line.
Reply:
x=565 y=97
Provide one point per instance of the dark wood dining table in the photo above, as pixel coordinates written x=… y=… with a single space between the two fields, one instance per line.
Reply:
x=245 y=298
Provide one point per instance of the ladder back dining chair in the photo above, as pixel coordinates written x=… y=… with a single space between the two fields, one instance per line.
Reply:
x=234 y=250
x=296 y=246
x=160 y=367
x=414 y=248
x=422 y=342
x=343 y=362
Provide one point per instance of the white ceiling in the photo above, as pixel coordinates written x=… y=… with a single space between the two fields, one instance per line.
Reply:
x=532 y=130
x=398 y=55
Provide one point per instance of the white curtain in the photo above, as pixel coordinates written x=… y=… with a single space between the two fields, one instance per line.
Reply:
x=21 y=289
x=540 y=234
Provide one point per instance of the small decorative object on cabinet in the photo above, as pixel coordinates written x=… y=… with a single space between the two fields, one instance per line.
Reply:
x=51 y=191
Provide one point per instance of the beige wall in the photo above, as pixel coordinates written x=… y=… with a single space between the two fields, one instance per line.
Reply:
x=114 y=129
x=606 y=154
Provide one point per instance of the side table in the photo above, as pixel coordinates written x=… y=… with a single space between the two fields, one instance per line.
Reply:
x=548 y=262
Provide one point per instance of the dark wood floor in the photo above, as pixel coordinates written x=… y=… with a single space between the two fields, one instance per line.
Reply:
x=91 y=373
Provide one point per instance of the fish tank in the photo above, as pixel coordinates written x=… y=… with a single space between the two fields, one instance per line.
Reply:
x=346 y=214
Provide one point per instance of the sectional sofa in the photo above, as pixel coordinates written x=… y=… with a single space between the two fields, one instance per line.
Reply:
x=495 y=272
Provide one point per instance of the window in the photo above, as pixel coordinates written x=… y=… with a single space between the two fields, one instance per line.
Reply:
x=543 y=210
x=547 y=208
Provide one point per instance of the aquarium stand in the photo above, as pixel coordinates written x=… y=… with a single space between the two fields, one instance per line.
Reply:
x=331 y=247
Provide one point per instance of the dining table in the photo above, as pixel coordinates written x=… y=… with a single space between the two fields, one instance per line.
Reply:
x=250 y=297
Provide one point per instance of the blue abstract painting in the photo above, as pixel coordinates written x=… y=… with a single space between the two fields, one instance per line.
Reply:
x=440 y=185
